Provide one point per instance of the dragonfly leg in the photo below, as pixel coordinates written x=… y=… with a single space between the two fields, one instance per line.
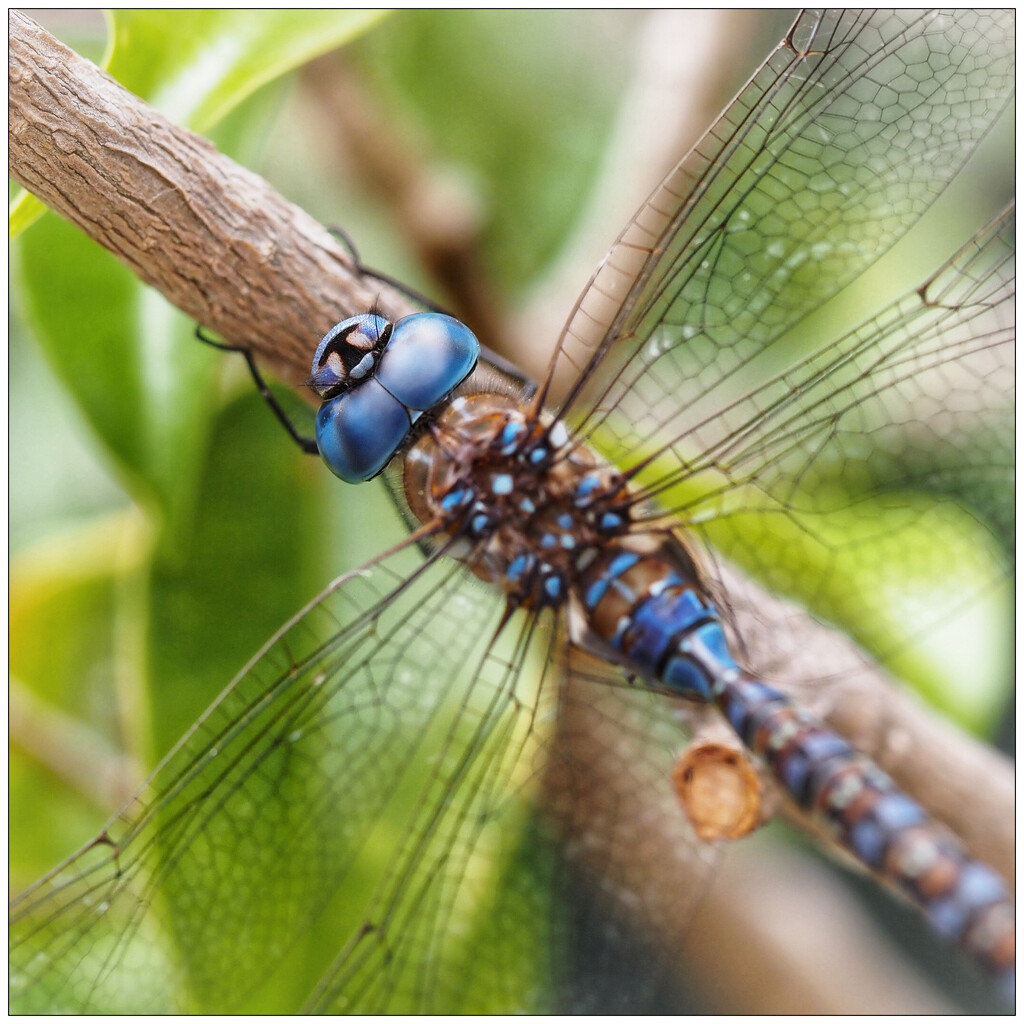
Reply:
x=307 y=444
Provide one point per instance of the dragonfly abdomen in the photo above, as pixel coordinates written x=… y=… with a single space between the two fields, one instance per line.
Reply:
x=651 y=612
x=886 y=830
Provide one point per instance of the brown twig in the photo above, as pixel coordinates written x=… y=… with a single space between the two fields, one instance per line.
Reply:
x=215 y=239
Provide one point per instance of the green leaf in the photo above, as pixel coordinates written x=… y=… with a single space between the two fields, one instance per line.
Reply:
x=197 y=66
x=24 y=211
x=260 y=506
x=124 y=354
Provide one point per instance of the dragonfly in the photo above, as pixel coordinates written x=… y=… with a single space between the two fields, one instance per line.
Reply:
x=482 y=720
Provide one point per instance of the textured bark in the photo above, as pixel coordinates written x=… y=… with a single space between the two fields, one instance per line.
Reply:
x=215 y=239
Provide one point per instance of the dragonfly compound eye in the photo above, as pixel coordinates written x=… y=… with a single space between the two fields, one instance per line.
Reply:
x=403 y=371
x=348 y=354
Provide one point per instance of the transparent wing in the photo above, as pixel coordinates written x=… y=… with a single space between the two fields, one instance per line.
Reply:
x=683 y=359
x=359 y=815
x=626 y=848
x=570 y=888
x=846 y=134
x=875 y=467
x=279 y=790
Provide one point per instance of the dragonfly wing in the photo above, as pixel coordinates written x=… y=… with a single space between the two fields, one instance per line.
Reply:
x=577 y=863
x=362 y=822
x=878 y=468
x=626 y=846
x=839 y=142
x=308 y=772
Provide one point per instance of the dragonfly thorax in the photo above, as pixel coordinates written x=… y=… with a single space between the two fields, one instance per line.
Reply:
x=547 y=521
x=524 y=507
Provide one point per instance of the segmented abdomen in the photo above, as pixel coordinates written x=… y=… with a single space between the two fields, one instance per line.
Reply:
x=650 y=611
x=965 y=900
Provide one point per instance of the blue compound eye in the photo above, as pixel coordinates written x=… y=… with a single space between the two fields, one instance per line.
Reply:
x=428 y=357
x=349 y=353
x=377 y=379
x=359 y=431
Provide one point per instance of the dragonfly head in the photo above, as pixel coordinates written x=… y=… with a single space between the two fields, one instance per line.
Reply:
x=377 y=379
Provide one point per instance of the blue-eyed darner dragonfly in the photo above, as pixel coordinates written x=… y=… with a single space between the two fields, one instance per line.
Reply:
x=487 y=746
